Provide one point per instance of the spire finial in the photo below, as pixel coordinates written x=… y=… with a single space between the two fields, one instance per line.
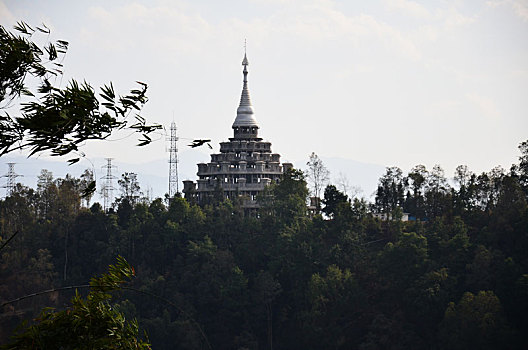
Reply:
x=245 y=109
x=245 y=62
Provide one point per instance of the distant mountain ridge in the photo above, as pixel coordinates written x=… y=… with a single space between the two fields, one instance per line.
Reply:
x=360 y=174
x=153 y=175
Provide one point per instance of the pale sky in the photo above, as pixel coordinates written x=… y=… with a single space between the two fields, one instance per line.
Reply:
x=393 y=82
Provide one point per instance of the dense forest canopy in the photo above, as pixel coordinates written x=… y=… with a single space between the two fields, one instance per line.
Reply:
x=453 y=277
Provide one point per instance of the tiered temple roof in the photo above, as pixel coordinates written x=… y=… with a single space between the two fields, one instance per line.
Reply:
x=245 y=164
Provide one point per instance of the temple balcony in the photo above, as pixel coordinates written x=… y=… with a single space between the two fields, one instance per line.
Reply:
x=245 y=156
x=214 y=171
x=210 y=186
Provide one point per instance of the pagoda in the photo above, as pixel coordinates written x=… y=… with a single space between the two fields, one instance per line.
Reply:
x=245 y=164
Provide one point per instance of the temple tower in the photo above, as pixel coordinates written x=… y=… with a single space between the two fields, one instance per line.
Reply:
x=245 y=164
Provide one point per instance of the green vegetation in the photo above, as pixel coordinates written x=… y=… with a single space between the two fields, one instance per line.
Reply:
x=91 y=323
x=51 y=118
x=210 y=277
x=454 y=277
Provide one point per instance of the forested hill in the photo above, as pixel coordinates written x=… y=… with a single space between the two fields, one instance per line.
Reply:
x=454 y=277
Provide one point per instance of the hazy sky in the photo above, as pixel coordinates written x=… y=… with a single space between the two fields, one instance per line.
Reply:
x=392 y=82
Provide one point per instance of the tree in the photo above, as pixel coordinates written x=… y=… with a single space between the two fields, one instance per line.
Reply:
x=47 y=192
x=333 y=199
x=89 y=323
x=18 y=211
x=88 y=186
x=66 y=209
x=59 y=120
x=389 y=194
x=129 y=187
x=476 y=322
x=286 y=200
x=52 y=118
x=401 y=263
x=343 y=183
x=414 y=202
x=464 y=178
x=436 y=191
x=266 y=289
x=523 y=165
x=318 y=176
x=336 y=301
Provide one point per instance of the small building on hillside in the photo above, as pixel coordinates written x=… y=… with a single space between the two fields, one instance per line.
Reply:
x=245 y=164
x=385 y=217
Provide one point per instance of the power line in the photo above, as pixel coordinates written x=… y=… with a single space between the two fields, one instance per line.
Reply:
x=173 y=162
x=11 y=179
x=108 y=184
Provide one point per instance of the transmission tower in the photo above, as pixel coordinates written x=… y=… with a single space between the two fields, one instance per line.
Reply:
x=11 y=177
x=173 y=162
x=108 y=184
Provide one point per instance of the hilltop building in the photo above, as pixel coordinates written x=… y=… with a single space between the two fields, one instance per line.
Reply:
x=245 y=164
